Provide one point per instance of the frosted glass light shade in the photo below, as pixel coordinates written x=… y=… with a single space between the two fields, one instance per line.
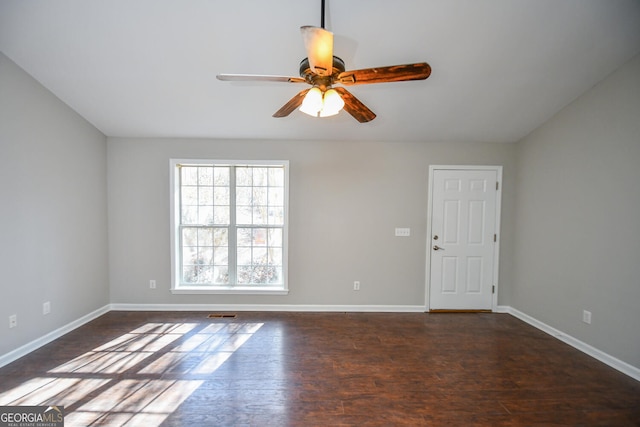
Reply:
x=312 y=103
x=332 y=103
x=318 y=104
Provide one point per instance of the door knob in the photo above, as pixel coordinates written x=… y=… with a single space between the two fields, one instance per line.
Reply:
x=437 y=248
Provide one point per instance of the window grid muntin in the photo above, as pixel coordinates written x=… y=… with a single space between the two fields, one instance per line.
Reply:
x=268 y=184
x=255 y=266
x=211 y=266
x=274 y=187
x=201 y=186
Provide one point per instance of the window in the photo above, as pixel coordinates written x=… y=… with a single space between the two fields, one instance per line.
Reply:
x=229 y=226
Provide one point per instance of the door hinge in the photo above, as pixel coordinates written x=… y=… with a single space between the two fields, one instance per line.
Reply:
x=493 y=289
x=497 y=185
x=495 y=237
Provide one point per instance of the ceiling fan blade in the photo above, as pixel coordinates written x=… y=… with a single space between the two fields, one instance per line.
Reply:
x=354 y=107
x=259 y=78
x=394 y=73
x=319 y=45
x=293 y=103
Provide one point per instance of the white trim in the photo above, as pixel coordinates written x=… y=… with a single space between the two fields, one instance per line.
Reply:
x=496 y=247
x=16 y=354
x=271 y=307
x=502 y=309
x=229 y=291
x=600 y=355
x=174 y=238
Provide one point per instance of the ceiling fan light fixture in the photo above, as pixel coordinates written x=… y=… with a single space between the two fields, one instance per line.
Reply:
x=332 y=103
x=312 y=103
x=321 y=69
x=318 y=104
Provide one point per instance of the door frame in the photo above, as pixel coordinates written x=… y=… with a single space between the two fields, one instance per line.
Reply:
x=496 y=247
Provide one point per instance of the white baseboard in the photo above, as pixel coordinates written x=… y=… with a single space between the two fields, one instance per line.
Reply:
x=7 y=358
x=270 y=307
x=502 y=309
x=615 y=363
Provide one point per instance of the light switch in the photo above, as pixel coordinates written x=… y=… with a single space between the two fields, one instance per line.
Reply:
x=403 y=232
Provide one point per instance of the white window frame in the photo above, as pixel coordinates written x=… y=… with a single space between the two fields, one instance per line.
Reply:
x=176 y=286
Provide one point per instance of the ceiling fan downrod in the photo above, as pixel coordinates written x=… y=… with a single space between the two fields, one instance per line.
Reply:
x=322 y=14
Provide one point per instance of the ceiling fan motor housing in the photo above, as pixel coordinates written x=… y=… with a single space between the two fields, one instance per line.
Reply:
x=321 y=81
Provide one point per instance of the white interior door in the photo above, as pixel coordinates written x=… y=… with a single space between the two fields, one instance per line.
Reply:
x=462 y=244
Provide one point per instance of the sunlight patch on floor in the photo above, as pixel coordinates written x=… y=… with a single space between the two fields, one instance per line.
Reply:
x=126 y=382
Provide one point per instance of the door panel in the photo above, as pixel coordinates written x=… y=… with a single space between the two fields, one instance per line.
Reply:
x=463 y=221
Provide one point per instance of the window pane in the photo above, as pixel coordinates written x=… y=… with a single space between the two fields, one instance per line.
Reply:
x=243 y=196
x=221 y=196
x=243 y=215
x=221 y=255
x=276 y=216
x=205 y=274
x=205 y=215
x=205 y=175
x=260 y=176
x=221 y=175
x=275 y=275
x=244 y=256
x=259 y=237
x=244 y=237
x=189 y=175
x=189 y=255
x=189 y=237
x=276 y=196
x=275 y=237
x=264 y=274
x=205 y=255
x=260 y=215
x=275 y=256
x=221 y=215
x=190 y=274
x=205 y=237
x=259 y=195
x=205 y=196
x=189 y=215
x=244 y=275
x=276 y=177
x=259 y=256
x=243 y=176
x=221 y=275
x=220 y=237
x=189 y=195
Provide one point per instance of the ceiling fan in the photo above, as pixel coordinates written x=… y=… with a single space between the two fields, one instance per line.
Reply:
x=323 y=71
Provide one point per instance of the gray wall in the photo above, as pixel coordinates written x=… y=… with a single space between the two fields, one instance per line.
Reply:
x=577 y=218
x=53 y=223
x=346 y=198
x=570 y=234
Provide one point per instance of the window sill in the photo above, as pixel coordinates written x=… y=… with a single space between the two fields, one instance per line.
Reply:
x=236 y=290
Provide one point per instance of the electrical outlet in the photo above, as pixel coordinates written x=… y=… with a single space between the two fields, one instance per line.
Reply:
x=46 y=307
x=13 y=321
x=356 y=286
x=152 y=284
x=586 y=316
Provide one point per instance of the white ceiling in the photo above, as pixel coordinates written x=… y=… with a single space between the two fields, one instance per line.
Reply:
x=146 y=68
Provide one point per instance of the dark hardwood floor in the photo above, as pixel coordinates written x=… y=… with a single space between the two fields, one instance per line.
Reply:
x=319 y=369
